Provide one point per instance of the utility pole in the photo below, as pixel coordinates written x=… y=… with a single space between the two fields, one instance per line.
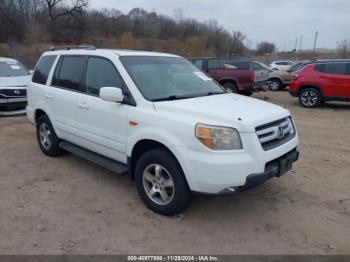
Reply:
x=316 y=35
x=301 y=43
x=296 y=44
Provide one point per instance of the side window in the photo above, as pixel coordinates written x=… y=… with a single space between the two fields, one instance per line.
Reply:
x=68 y=72
x=336 y=68
x=254 y=66
x=348 y=69
x=240 y=65
x=43 y=69
x=100 y=72
x=198 y=63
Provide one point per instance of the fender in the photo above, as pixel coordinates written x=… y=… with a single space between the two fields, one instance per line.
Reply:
x=161 y=136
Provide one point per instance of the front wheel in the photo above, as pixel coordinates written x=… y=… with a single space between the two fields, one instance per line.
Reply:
x=275 y=85
x=310 y=97
x=161 y=183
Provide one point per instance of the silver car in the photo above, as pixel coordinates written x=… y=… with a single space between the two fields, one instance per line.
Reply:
x=14 y=78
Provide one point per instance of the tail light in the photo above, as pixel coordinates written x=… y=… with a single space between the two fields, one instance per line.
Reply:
x=252 y=75
x=295 y=76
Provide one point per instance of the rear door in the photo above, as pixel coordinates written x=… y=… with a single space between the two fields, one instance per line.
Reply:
x=334 y=79
x=62 y=95
x=102 y=125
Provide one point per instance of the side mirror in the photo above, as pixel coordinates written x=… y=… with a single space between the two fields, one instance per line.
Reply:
x=111 y=94
x=31 y=72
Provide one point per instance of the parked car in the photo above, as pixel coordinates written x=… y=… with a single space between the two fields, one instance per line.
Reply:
x=278 y=79
x=159 y=118
x=14 y=78
x=322 y=81
x=298 y=66
x=233 y=79
x=281 y=65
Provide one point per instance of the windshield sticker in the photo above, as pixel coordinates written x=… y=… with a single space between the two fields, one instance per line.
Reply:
x=202 y=76
x=11 y=62
x=15 y=67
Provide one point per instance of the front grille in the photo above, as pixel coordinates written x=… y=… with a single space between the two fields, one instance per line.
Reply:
x=274 y=134
x=13 y=93
x=8 y=107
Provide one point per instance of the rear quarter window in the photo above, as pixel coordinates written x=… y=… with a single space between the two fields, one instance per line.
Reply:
x=43 y=69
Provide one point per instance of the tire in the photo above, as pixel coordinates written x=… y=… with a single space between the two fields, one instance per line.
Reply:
x=230 y=87
x=310 y=97
x=161 y=183
x=47 y=138
x=275 y=85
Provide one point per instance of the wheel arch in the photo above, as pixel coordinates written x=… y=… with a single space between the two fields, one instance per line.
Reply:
x=303 y=87
x=146 y=144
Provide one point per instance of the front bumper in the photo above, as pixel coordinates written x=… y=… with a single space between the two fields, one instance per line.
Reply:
x=211 y=172
x=13 y=106
x=275 y=168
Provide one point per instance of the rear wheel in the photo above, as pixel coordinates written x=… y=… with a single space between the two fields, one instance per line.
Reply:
x=230 y=87
x=310 y=97
x=161 y=183
x=47 y=138
x=275 y=85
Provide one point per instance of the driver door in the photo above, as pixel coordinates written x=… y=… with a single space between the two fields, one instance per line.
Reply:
x=102 y=125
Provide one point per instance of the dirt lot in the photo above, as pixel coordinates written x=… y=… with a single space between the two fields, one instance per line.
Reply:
x=69 y=206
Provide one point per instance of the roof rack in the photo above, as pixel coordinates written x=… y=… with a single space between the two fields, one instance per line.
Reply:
x=86 y=47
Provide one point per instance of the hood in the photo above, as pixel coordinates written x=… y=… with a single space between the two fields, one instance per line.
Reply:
x=18 y=81
x=241 y=112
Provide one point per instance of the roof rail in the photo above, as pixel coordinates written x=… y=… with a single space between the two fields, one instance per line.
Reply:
x=86 y=47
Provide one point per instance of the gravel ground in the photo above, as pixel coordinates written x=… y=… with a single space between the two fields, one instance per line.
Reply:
x=69 y=206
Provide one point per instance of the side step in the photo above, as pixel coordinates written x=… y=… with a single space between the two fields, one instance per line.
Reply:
x=105 y=162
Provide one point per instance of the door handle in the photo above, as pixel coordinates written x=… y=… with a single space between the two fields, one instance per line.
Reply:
x=83 y=106
x=49 y=97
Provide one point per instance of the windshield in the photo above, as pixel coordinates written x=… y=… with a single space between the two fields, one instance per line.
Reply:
x=12 y=69
x=168 y=78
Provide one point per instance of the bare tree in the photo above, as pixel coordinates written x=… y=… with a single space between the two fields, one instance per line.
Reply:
x=59 y=8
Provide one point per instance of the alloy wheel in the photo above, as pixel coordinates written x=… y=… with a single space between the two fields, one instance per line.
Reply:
x=309 y=98
x=158 y=184
x=45 y=136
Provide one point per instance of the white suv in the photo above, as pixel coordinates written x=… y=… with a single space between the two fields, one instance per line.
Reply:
x=281 y=65
x=157 y=117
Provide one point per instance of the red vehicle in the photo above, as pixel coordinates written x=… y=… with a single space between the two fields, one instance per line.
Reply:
x=232 y=79
x=322 y=81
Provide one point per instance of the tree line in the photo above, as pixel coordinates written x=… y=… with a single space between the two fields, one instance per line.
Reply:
x=72 y=22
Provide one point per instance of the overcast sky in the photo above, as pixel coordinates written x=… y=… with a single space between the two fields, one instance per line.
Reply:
x=278 y=21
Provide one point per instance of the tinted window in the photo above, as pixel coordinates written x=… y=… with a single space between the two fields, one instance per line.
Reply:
x=68 y=73
x=43 y=69
x=101 y=73
x=333 y=68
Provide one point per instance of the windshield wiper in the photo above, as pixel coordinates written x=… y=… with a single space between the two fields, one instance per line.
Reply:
x=215 y=93
x=172 y=97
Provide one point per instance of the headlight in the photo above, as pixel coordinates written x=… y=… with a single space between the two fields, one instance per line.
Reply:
x=218 y=138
